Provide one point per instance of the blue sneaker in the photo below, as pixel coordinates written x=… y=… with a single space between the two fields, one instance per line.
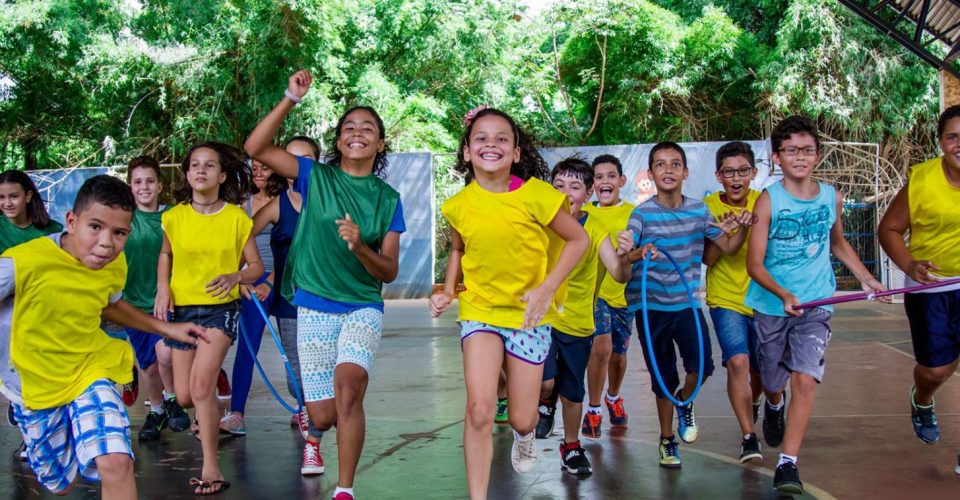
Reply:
x=924 y=419
x=686 y=421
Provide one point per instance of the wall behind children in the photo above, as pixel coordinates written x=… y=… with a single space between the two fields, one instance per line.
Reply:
x=409 y=173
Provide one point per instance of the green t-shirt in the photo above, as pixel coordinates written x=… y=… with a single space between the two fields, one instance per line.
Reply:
x=320 y=261
x=143 y=252
x=11 y=235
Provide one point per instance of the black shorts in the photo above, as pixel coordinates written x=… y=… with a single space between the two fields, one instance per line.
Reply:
x=567 y=364
x=934 y=326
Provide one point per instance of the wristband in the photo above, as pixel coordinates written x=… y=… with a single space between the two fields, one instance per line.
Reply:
x=289 y=95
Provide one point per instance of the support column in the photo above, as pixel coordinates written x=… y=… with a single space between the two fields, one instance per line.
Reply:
x=949 y=90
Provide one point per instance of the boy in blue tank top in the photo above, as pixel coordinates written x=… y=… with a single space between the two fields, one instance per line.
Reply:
x=797 y=225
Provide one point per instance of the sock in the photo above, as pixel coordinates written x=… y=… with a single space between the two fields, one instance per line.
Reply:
x=913 y=401
x=552 y=403
x=339 y=490
x=593 y=409
x=668 y=439
x=778 y=406
x=747 y=436
x=570 y=446
x=169 y=396
x=784 y=458
x=523 y=439
x=157 y=409
x=612 y=398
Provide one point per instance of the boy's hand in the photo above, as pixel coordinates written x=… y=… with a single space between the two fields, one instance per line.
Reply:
x=349 y=231
x=220 y=286
x=538 y=301
x=730 y=222
x=647 y=251
x=439 y=302
x=187 y=333
x=871 y=285
x=790 y=302
x=624 y=242
x=163 y=303
x=744 y=219
x=919 y=271
x=299 y=83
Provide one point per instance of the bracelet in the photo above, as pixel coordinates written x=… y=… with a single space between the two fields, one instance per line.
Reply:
x=289 y=95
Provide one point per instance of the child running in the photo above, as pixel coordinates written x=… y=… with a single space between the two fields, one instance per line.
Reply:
x=510 y=288
x=929 y=207
x=608 y=357
x=572 y=332
x=26 y=217
x=679 y=225
x=797 y=226
x=337 y=266
x=58 y=367
x=142 y=252
x=727 y=282
x=205 y=236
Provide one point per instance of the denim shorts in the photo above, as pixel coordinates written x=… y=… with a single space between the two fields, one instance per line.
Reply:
x=736 y=335
x=221 y=316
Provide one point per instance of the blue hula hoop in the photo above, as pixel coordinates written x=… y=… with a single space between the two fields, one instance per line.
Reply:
x=646 y=331
x=283 y=355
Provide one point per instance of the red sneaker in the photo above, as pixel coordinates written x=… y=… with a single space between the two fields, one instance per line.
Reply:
x=223 y=386
x=132 y=390
x=303 y=422
x=312 y=463
x=618 y=416
x=591 y=425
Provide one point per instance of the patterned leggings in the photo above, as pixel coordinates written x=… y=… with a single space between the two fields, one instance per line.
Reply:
x=325 y=340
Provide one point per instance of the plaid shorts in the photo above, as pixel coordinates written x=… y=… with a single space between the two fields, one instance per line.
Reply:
x=65 y=440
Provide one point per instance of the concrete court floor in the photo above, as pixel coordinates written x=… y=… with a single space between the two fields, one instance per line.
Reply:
x=859 y=444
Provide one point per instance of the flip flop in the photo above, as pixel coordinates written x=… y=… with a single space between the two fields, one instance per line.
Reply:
x=215 y=487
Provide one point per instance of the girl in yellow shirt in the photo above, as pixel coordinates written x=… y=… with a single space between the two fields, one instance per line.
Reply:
x=503 y=226
x=205 y=236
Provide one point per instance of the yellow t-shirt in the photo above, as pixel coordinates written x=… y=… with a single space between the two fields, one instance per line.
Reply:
x=727 y=278
x=934 y=217
x=614 y=218
x=508 y=248
x=204 y=247
x=56 y=343
x=576 y=318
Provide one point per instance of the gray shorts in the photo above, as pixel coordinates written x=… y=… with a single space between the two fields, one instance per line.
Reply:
x=792 y=344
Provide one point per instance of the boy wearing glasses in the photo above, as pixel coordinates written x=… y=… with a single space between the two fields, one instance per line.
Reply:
x=727 y=282
x=797 y=226
x=678 y=224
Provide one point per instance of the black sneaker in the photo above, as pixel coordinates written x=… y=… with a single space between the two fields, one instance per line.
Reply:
x=545 y=421
x=155 y=423
x=750 y=448
x=773 y=425
x=787 y=479
x=177 y=418
x=573 y=459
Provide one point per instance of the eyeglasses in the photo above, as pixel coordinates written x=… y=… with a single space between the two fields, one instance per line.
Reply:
x=661 y=166
x=794 y=151
x=728 y=173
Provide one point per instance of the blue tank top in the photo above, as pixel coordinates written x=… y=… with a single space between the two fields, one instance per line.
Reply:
x=281 y=237
x=798 y=249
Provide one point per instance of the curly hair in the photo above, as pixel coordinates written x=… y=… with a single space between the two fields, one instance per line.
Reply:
x=380 y=161
x=531 y=164
x=238 y=184
x=275 y=185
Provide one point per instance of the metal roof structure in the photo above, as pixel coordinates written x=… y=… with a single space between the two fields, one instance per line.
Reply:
x=917 y=24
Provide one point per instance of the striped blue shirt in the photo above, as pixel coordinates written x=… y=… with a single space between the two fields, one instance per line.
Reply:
x=680 y=231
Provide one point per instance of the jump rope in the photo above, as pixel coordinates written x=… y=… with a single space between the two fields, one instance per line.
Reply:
x=283 y=356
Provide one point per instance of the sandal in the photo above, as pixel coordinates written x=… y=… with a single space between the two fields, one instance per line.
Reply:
x=212 y=487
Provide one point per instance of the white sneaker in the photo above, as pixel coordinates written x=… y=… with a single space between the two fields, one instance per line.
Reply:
x=523 y=455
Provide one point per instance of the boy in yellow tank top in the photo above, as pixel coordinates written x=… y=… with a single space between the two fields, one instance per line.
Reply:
x=611 y=338
x=929 y=207
x=58 y=367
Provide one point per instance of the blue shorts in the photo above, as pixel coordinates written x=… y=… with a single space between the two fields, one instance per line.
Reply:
x=736 y=335
x=675 y=327
x=567 y=364
x=613 y=321
x=223 y=317
x=934 y=326
x=144 y=345
x=531 y=345
x=66 y=440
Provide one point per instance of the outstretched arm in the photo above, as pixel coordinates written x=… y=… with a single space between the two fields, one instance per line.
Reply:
x=735 y=228
x=260 y=143
x=439 y=302
x=615 y=259
x=122 y=313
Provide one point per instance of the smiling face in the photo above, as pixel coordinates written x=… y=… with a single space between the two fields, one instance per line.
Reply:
x=14 y=201
x=737 y=186
x=949 y=143
x=668 y=171
x=205 y=173
x=359 y=138
x=798 y=156
x=97 y=234
x=575 y=189
x=261 y=173
x=607 y=182
x=492 y=147
x=146 y=186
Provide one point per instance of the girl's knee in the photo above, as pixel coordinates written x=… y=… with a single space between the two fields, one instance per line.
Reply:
x=523 y=425
x=201 y=390
x=480 y=413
